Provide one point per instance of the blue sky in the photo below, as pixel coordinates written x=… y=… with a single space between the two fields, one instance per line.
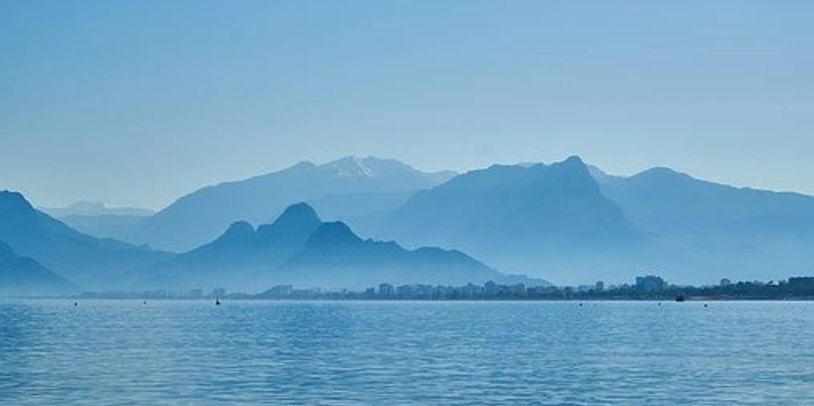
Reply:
x=138 y=102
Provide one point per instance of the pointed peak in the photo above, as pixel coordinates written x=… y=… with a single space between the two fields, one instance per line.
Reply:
x=297 y=214
x=573 y=160
x=298 y=219
x=573 y=165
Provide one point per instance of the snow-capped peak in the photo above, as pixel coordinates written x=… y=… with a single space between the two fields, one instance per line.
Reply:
x=351 y=166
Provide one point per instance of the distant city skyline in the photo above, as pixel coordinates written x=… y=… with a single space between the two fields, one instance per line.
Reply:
x=138 y=103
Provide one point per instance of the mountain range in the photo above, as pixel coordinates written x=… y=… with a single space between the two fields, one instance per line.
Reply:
x=98 y=219
x=514 y=210
x=88 y=208
x=85 y=260
x=697 y=230
x=351 y=188
x=574 y=223
x=568 y=222
x=299 y=248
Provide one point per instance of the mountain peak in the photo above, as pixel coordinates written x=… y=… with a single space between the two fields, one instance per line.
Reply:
x=239 y=230
x=299 y=212
x=659 y=170
x=296 y=219
x=352 y=166
x=660 y=173
x=13 y=200
x=298 y=167
x=572 y=161
x=17 y=211
x=332 y=234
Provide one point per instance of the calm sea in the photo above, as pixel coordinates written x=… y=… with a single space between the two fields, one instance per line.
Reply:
x=428 y=353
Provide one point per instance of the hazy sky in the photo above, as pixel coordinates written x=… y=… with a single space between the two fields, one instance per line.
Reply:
x=138 y=102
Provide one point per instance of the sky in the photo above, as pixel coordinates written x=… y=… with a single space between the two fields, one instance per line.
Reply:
x=139 y=102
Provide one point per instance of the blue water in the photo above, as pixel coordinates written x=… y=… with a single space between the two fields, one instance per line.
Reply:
x=192 y=352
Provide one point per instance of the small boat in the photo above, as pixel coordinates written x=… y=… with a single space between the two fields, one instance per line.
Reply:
x=680 y=298
x=217 y=302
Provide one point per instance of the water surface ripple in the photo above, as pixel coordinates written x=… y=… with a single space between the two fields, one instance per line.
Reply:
x=350 y=353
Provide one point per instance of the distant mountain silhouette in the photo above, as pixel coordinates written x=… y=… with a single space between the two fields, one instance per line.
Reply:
x=572 y=223
x=568 y=222
x=240 y=256
x=88 y=208
x=104 y=226
x=96 y=219
x=661 y=201
x=21 y=276
x=88 y=261
x=337 y=257
x=298 y=248
x=334 y=187
x=696 y=228
x=515 y=216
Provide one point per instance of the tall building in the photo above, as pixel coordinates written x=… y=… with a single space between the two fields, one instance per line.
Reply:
x=386 y=290
x=650 y=283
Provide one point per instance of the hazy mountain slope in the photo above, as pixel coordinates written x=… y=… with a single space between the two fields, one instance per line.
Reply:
x=102 y=226
x=96 y=219
x=21 y=276
x=88 y=261
x=202 y=215
x=700 y=231
x=240 y=259
x=663 y=201
x=517 y=217
x=299 y=249
x=336 y=257
x=87 y=208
